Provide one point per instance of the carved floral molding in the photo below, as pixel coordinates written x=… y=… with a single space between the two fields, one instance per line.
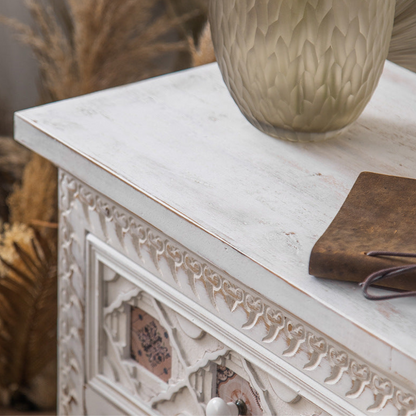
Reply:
x=71 y=316
x=277 y=322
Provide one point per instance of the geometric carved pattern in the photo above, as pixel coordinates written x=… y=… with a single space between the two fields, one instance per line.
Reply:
x=194 y=377
x=159 y=336
x=298 y=336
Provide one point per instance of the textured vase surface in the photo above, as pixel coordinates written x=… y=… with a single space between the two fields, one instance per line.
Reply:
x=301 y=70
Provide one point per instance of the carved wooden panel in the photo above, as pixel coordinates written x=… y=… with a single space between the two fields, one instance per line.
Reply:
x=71 y=298
x=302 y=356
x=118 y=301
x=121 y=314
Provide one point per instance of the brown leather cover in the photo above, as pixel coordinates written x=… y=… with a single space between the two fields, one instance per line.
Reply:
x=379 y=214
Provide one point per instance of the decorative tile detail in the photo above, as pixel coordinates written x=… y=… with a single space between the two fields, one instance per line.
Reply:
x=150 y=345
x=279 y=323
x=232 y=387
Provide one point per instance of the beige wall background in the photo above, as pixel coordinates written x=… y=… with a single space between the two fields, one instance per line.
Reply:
x=18 y=69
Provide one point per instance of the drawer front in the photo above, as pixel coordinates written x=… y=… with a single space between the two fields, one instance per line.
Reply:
x=147 y=354
x=116 y=268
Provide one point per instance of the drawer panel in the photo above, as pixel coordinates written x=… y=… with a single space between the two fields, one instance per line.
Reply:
x=144 y=356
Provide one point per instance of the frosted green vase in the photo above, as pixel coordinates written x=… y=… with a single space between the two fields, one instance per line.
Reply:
x=301 y=70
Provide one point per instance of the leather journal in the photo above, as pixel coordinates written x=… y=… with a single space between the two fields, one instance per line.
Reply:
x=379 y=214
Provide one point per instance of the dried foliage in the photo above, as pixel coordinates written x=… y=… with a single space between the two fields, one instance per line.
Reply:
x=403 y=43
x=13 y=158
x=203 y=53
x=85 y=46
x=28 y=288
x=81 y=46
x=5 y=125
x=194 y=25
x=36 y=199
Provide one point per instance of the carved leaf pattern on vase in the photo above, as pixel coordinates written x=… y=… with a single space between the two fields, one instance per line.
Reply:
x=298 y=68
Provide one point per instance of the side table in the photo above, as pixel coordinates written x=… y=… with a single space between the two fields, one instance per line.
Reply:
x=185 y=237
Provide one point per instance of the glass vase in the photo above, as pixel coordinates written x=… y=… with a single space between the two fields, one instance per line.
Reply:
x=301 y=70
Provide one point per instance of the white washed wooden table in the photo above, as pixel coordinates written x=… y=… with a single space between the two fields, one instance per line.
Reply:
x=171 y=202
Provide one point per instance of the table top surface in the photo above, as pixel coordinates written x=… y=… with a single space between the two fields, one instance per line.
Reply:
x=182 y=141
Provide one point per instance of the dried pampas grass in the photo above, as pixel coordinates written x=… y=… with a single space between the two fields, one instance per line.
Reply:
x=203 y=53
x=13 y=158
x=81 y=46
x=195 y=24
x=36 y=199
x=91 y=45
x=28 y=288
x=403 y=43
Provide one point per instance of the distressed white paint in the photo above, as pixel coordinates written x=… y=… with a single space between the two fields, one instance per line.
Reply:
x=145 y=272
x=18 y=68
x=176 y=152
x=291 y=357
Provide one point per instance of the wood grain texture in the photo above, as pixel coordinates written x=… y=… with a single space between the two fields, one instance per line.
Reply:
x=217 y=300
x=239 y=197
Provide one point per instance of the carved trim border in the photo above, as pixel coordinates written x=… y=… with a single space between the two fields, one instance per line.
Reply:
x=277 y=321
x=71 y=293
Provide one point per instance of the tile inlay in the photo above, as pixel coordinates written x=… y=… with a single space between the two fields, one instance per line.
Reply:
x=231 y=387
x=150 y=345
